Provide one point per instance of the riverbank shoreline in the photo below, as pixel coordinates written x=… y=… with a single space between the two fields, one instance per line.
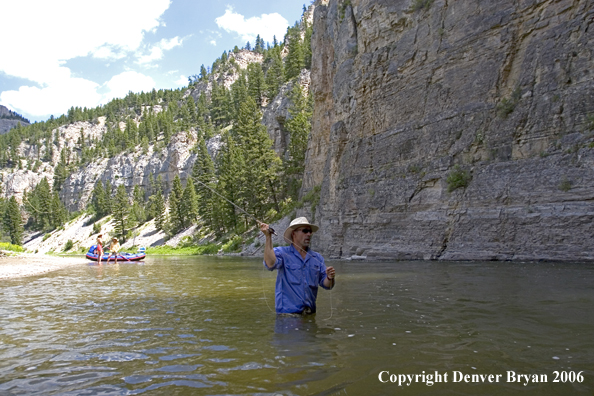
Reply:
x=20 y=265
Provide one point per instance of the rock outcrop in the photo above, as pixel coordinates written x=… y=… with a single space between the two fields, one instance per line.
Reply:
x=453 y=129
x=132 y=168
x=7 y=125
x=10 y=119
x=276 y=113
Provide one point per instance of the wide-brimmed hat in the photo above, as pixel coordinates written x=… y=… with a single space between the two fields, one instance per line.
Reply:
x=114 y=239
x=298 y=222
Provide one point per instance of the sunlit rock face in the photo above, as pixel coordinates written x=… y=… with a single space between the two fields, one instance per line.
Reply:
x=133 y=168
x=413 y=99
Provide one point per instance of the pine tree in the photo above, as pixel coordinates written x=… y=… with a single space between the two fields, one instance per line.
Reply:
x=256 y=82
x=262 y=173
x=13 y=222
x=176 y=215
x=203 y=175
x=299 y=128
x=219 y=106
x=189 y=204
x=231 y=171
x=259 y=48
x=59 y=214
x=239 y=92
x=275 y=74
x=158 y=206
x=137 y=211
x=307 y=46
x=295 y=60
x=100 y=200
x=38 y=205
x=121 y=212
x=108 y=208
x=61 y=170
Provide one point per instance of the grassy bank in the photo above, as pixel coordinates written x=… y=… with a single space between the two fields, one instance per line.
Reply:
x=210 y=248
x=10 y=247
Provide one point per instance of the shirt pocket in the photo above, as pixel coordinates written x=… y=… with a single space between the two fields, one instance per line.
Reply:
x=294 y=273
x=314 y=275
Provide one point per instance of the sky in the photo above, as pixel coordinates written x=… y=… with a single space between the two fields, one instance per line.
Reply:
x=63 y=53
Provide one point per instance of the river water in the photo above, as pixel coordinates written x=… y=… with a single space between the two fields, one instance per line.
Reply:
x=204 y=326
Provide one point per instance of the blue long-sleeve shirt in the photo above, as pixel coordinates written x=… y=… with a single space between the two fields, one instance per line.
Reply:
x=297 y=280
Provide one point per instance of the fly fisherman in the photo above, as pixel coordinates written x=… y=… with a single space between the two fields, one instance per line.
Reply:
x=300 y=270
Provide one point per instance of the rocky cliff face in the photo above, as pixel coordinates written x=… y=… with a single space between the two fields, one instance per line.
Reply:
x=9 y=120
x=276 y=113
x=132 y=168
x=415 y=98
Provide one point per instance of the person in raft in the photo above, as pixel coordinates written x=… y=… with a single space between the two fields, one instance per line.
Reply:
x=298 y=267
x=114 y=248
x=100 y=246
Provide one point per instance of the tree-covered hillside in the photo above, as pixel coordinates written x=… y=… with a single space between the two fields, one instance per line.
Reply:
x=223 y=102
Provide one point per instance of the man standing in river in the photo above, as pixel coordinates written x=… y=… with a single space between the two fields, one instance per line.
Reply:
x=300 y=270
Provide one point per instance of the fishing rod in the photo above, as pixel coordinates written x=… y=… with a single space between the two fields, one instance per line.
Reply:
x=273 y=232
x=241 y=209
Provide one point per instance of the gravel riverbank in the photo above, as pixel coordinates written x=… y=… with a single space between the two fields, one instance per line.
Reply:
x=25 y=264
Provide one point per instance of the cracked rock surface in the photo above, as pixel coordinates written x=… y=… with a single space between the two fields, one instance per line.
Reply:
x=495 y=97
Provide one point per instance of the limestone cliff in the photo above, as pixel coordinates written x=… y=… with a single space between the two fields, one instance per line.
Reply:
x=415 y=98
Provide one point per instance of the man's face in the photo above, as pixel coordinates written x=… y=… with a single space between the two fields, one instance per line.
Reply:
x=302 y=236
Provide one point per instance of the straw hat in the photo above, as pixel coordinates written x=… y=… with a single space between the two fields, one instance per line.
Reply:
x=298 y=222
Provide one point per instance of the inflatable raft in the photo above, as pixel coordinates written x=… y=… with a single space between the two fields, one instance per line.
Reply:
x=121 y=257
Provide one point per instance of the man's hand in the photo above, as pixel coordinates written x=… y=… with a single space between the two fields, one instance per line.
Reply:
x=329 y=281
x=265 y=228
x=330 y=273
x=269 y=256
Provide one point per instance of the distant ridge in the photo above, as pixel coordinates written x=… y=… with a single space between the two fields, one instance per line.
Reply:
x=9 y=119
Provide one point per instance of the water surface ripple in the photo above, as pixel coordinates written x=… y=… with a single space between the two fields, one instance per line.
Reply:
x=202 y=326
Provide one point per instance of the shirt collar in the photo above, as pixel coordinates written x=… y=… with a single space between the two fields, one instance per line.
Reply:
x=298 y=254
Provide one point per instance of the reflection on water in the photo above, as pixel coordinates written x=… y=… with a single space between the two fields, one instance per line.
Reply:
x=188 y=326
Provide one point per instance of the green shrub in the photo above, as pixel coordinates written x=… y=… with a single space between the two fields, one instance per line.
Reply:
x=46 y=237
x=11 y=247
x=313 y=196
x=210 y=248
x=457 y=178
x=96 y=228
x=507 y=105
x=590 y=122
x=565 y=185
x=68 y=245
x=342 y=8
x=234 y=245
x=421 y=4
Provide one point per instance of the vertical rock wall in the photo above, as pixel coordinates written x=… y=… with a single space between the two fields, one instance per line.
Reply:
x=500 y=91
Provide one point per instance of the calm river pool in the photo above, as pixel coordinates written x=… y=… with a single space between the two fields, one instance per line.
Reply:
x=205 y=326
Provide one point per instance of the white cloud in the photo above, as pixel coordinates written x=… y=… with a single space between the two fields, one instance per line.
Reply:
x=155 y=52
x=266 y=25
x=120 y=85
x=108 y=52
x=213 y=42
x=60 y=30
x=53 y=99
x=182 y=81
x=58 y=98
